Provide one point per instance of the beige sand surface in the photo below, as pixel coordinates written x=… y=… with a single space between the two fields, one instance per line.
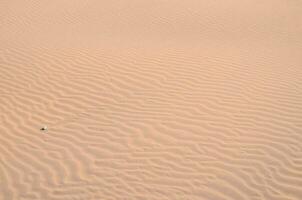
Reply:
x=151 y=100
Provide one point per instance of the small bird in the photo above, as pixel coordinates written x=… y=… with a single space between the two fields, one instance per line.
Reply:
x=44 y=128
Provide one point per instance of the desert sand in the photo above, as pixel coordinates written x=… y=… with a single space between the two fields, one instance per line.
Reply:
x=153 y=100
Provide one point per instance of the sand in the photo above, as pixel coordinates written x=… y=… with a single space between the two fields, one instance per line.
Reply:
x=155 y=100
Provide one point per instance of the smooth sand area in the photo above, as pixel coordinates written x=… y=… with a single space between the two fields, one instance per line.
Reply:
x=151 y=100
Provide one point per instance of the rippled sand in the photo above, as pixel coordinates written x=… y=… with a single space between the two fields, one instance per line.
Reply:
x=155 y=100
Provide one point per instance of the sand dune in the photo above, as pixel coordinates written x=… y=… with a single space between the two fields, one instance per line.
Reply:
x=177 y=100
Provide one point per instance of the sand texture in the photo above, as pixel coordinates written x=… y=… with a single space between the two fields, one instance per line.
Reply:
x=151 y=100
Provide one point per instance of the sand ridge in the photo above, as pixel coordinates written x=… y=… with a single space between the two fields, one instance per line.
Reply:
x=150 y=100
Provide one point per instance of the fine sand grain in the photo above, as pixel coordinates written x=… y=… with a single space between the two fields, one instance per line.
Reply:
x=151 y=100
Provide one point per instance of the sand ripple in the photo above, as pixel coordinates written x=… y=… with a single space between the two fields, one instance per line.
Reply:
x=150 y=100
